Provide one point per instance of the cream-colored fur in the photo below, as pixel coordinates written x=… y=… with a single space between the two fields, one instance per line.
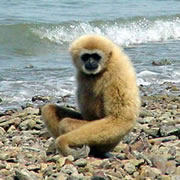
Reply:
x=108 y=100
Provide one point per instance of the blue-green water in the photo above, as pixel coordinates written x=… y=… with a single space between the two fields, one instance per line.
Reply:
x=35 y=35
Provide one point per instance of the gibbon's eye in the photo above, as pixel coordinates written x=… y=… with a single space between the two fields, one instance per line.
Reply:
x=96 y=56
x=85 y=57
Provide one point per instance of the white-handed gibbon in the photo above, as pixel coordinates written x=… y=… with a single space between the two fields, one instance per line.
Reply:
x=108 y=99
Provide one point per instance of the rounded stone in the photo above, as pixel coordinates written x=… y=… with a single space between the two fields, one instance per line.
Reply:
x=80 y=162
x=130 y=168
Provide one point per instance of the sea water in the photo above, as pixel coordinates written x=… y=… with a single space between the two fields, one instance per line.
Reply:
x=35 y=36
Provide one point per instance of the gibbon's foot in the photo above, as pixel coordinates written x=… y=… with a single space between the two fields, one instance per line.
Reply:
x=80 y=152
x=76 y=152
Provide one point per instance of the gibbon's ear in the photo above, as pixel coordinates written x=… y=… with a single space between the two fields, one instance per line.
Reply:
x=70 y=49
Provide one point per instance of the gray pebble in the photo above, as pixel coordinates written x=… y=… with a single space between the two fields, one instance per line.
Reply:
x=81 y=162
x=130 y=168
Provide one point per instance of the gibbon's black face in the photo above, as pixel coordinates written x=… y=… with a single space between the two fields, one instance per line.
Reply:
x=91 y=62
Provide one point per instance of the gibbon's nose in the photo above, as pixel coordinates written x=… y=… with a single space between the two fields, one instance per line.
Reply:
x=91 y=65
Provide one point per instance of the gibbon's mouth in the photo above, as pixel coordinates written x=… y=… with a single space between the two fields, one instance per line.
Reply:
x=91 y=67
x=91 y=70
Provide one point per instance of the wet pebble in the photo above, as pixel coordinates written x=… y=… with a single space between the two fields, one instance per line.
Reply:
x=99 y=175
x=16 y=140
x=11 y=129
x=121 y=156
x=69 y=169
x=24 y=174
x=4 y=155
x=29 y=66
x=167 y=130
x=145 y=120
x=163 y=139
x=2 y=131
x=80 y=162
x=149 y=172
x=40 y=98
x=170 y=167
x=159 y=162
x=130 y=168
x=162 y=62
x=4 y=172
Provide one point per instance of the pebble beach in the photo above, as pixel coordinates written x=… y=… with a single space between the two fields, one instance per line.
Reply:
x=151 y=151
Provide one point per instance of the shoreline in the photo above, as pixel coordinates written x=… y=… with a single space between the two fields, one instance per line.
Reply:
x=167 y=88
x=151 y=150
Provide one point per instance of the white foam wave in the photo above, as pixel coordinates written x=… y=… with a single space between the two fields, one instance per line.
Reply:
x=147 y=77
x=141 y=81
x=147 y=73
x=136 y=32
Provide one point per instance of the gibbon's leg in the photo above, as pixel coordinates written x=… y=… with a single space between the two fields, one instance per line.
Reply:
x=59 y=120
x=69 y=124
x=100 y=134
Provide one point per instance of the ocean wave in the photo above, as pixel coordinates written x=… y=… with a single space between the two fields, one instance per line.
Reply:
x=125 y=33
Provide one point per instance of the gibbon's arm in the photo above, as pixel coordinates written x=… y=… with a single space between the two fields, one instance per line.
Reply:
x=103 y=134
